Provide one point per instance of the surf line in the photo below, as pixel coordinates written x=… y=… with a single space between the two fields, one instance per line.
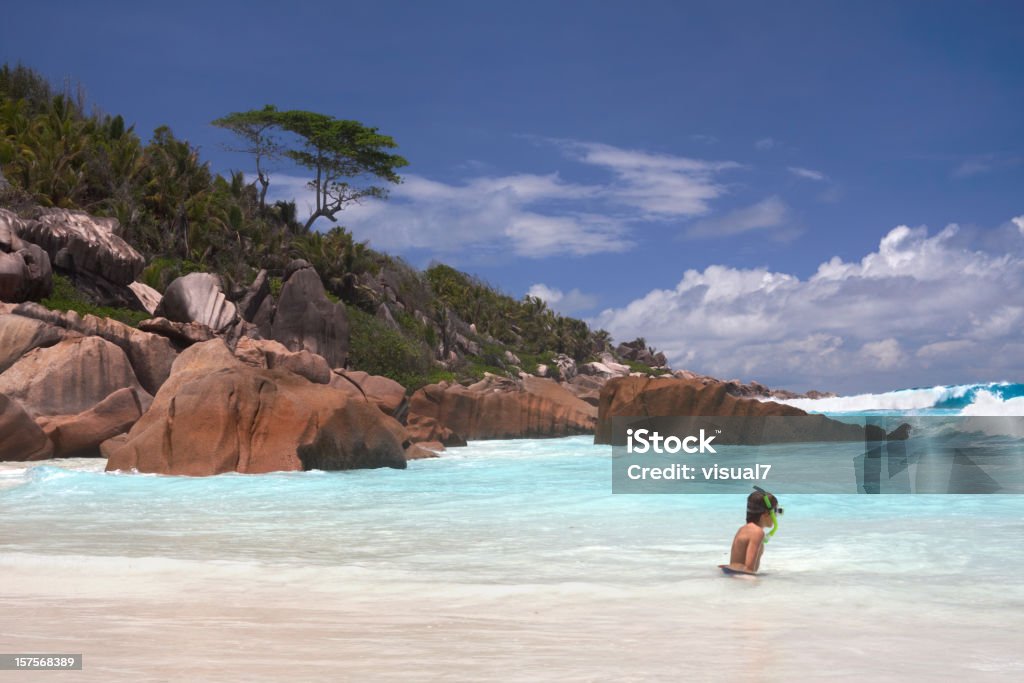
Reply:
x=758 y=471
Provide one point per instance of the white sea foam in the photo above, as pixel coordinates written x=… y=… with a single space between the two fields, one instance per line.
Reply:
x=987 y=403
x=905 y=399
x=985 y=400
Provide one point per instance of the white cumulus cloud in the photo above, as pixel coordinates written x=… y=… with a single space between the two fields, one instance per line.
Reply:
x=919 y=310
x=566 y=303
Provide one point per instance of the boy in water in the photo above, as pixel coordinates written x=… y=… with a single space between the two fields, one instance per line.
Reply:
x=748 y=544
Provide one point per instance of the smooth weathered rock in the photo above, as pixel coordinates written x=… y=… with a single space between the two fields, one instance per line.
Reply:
x=267 y=353
x=384 y=392
x=10 y=223
x=417 y=451
x=19 y=335
x=108 y=447
x=69 y=377
x=294 y=266
x=693 y=398
x=216 y=414
x=607 y=370
x=80 y=436
x=305 y=319
x=752 y=389
x=587 y=388
x=183 y=334
x=639 y=352
x=251 y=353
x=20 y=437
x=498 y=408
x=148 y=297
x=84 y=244
x=211 y=355
x=384 y=315
x=566 y=367
x=356 y=437
x=254 y=296
x=263 y=319
x=25 y=270
x=198 y=297
x=151 y=355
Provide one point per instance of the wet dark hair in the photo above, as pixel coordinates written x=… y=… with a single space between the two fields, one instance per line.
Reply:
x=756 y=506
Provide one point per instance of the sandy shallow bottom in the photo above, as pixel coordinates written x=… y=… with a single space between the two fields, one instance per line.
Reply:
x=509 y=562
x=220 y=622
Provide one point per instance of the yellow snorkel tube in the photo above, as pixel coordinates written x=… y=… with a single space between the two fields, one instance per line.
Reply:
x=771 y=511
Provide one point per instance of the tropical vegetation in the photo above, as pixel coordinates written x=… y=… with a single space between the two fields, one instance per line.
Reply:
x=57 y=152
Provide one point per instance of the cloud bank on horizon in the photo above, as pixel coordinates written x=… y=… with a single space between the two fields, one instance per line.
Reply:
x=919 y=310
x=922 y=309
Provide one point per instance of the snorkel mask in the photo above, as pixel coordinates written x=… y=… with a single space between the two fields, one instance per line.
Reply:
x=771 y=511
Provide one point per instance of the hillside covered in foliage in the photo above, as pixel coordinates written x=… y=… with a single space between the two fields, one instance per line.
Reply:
x=413 y=326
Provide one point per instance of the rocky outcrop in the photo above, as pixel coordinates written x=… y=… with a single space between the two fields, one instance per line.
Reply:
x=80 y=436
x=567 y=369
x=497 y=408
x=384 y=392
x=25 y=271
x=20 y=437
x=182 y=334
x=200 y=298
x=587 y=388
x=684 y=398
x=355 y=437
x=250 y=302
x=751 y=389
x=638 y=351
x=150 y=355
x=216 y=414
x=272 y=355
x=19 y=335
x=70 y=377
x=424 y=451
x=80 y=243
x=606 y=368
x=305 y=319
x=148 y=297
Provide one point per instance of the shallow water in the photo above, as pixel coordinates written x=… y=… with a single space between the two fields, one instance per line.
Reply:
x=508 y=560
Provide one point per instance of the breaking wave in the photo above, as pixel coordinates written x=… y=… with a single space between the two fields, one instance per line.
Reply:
x=995 y=399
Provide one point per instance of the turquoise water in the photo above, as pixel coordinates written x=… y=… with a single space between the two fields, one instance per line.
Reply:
x=507 y=559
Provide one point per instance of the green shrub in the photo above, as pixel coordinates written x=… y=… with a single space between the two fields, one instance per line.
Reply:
x=378 y=349
x=640 y=367
x=162 y=271
x=65 y=297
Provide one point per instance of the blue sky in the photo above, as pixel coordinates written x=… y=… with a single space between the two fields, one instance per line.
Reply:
x=674 y=170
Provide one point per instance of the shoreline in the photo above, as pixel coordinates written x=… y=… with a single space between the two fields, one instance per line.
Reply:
x=472 y=568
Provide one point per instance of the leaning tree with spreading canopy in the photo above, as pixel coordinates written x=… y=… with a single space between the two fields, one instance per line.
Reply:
x=345 y=157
